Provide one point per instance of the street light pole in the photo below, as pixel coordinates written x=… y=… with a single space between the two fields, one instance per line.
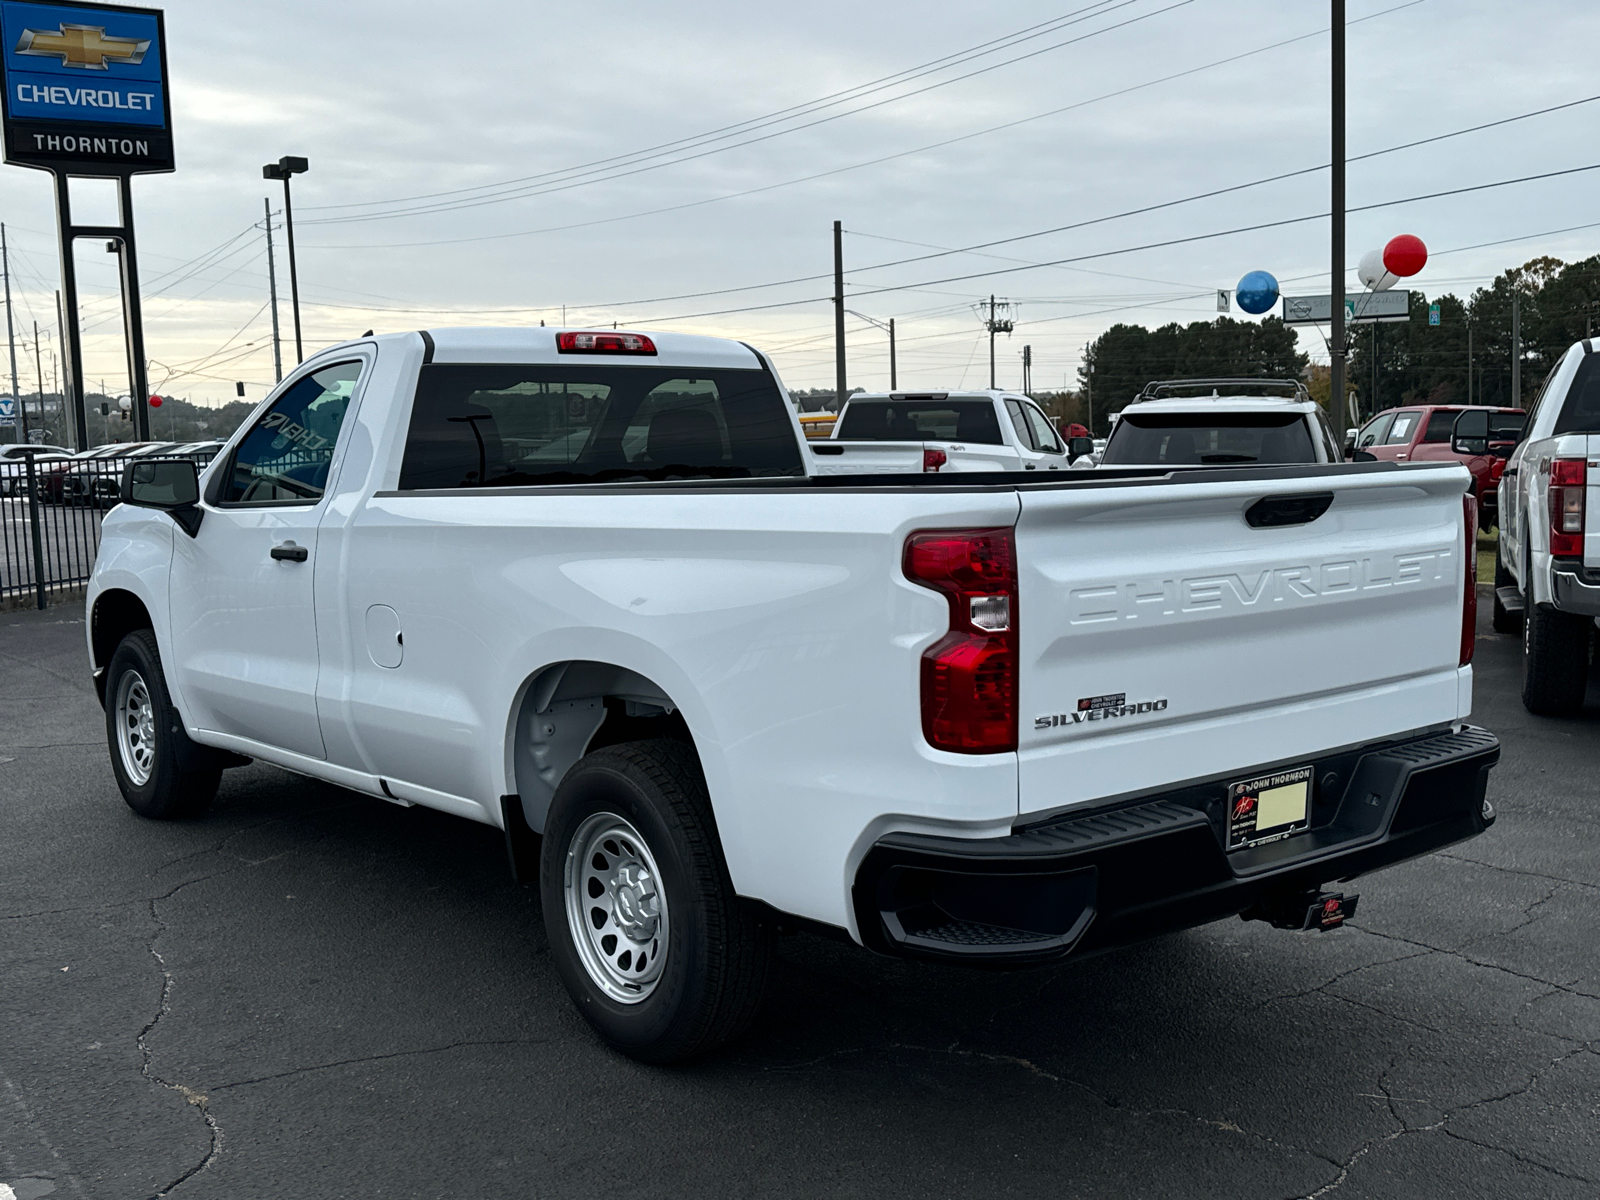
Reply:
x=283 y=169
x=889 y=327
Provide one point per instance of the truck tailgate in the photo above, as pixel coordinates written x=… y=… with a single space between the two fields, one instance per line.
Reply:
x=1165 y=640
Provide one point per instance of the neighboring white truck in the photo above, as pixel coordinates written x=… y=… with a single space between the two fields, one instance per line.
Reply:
x=914 y=432
x=1547 y=558
x=586 y=587
x=1217 y=422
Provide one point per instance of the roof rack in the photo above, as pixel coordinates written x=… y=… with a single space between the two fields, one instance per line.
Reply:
x=1158 y=389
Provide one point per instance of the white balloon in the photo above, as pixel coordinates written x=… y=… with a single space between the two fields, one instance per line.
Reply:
x=1372 y=274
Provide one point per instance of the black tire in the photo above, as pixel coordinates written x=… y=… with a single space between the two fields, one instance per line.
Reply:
x=710 y=975
x=1503 y=621
x=155 y=764
x=1555 y=661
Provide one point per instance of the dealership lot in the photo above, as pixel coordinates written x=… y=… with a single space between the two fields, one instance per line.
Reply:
x=313 y=993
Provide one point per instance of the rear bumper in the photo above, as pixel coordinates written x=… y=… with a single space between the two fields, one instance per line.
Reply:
x=1118 y=875
x=1574 y=588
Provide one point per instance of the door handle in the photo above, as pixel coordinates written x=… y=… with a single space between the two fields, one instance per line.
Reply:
x=289 y=552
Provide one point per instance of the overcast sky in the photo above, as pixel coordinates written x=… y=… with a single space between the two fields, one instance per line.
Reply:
x=582 y=156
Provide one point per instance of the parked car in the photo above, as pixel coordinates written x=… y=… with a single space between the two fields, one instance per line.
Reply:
x=1547 y=557
x=14 y=470
x=52 y=485
x=18 y=450
x=916 y=432
x=1422 y=432
x=705 y=692
x=98 y=480
x=1220 y=422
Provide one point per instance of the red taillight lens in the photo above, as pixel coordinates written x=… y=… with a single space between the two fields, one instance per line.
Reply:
x=604 y=343
x=1469 y=599
x=932 y=460
x=969 y=676
x=1567 y=484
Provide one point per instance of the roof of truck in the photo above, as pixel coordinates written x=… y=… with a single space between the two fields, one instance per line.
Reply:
x=537 y=344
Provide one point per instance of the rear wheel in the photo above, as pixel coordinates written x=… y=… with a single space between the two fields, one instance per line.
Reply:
x=1555 y=660
x=1504 y=620
x=148 y=746
x=644 y=926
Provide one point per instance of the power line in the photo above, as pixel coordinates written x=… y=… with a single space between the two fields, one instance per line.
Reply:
x=456 y=206
x=1042 y=29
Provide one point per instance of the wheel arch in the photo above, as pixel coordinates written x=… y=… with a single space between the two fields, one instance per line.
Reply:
x=566 y=709
x=117 y=612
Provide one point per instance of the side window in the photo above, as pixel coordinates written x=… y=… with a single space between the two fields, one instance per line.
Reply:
x=1440 y=425
x=1020 y=424
x=1580 y=411
x=1375 y=432
x=1405 y=424
x=285 y=458
x=1044 y=435
x=1330 y=441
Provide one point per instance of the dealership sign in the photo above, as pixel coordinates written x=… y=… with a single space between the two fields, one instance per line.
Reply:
x=85 y=88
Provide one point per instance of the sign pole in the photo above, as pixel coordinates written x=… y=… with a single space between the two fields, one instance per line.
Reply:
x=133 y=319
x=70 y=336
x=1336 y=342
x=11 y=338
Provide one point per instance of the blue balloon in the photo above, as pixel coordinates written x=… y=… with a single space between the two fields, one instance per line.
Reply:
x=1257 y=292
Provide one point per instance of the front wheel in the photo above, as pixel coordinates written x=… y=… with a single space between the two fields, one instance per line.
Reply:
x=1555 y=660
x=146 y=737
x=644 y=926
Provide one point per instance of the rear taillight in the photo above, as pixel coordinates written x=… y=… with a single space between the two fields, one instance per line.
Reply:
x=932 y=460
x=1567 y=482
x=1469 y=599
x=604 y=343
x=969 y=676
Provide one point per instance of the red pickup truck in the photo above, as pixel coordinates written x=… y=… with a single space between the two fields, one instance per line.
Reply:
x=1421 y=433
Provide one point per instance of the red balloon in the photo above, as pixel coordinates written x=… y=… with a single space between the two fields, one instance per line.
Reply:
x=155 y=401
x=1405 y=256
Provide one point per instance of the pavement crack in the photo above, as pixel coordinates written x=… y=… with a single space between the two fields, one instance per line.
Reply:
x=198 y=1099
x=1488 y=966
x=366 y=1058
x=1477 y=862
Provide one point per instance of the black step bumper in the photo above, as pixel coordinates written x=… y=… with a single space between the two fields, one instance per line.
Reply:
x=1092 y=881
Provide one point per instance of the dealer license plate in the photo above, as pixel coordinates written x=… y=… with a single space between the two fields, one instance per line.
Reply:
x=1268 y=807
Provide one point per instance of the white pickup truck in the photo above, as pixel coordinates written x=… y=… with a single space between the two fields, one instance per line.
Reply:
x=1547 y=558
x=585 y=588
x=911 y=432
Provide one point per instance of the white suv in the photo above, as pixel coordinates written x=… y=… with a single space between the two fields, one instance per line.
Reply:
x=1221 y=422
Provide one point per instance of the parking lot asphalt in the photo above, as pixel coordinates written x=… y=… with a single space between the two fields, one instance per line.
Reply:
x=311 y=993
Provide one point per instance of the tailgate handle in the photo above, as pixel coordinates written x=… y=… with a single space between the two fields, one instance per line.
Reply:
x=1273 y=511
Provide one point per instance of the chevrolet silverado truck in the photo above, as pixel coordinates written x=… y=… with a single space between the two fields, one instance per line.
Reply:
x=1547 y=557
x=586 y=588
x=889 y=433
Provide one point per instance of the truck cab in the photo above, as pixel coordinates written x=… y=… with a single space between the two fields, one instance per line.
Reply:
x=943 y=431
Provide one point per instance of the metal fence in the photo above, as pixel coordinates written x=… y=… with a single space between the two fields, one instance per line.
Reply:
x=50 y=513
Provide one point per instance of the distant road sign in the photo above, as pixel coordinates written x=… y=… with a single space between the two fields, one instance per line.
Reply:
x=1364 y=308
x=1433 y=313
x=1222 y=300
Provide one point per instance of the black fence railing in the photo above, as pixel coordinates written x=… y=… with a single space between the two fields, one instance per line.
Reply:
x=50 y=513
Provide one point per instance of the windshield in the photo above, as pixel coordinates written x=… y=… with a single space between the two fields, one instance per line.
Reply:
x=921 y=421
x=1203 y=439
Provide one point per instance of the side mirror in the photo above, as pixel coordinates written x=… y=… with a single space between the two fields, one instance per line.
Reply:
x=1470 y=434
x=1363 y=456
x=170 y=484
x=1077 y=447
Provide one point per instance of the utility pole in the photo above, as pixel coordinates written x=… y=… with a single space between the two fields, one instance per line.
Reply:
x=1336 y=346
x=994 y=324
x=894 y=381
x=1027 y=371
x=272 y=292
x=840 y=386
x=1469 y=361
x=1516 y=350
x=1088 y=388
x=11 y=337
x=38 y=365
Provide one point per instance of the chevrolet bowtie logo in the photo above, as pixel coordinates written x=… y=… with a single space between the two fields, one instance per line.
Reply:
x=83 y=46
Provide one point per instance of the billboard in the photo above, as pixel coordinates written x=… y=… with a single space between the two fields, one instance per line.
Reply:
x=85 y=88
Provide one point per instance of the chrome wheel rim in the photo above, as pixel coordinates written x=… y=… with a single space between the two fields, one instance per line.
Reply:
x=136 y=728
x=616 y=908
